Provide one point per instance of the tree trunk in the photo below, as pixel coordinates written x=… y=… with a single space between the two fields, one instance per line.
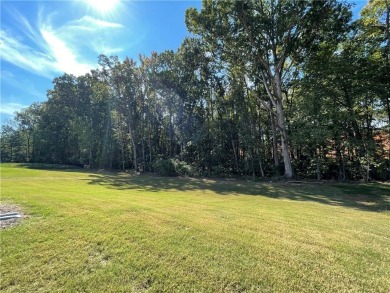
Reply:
x=251 y=153
x=33 y=149
x=150 y=153
x=261 y=165
x=318 y=170
x=274 y=140
x=134 y=148
x=235 y=156
x=284 y=142
x=388 y=111
x=90 y=164
x=122 y=150
x=340 y=159
x=28 y=148
x=143 y=155
x=276 y=98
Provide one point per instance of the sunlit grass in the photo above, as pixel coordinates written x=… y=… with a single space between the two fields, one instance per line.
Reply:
x=95 y=232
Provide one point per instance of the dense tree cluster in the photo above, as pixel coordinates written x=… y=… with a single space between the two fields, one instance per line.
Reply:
x=263 y=88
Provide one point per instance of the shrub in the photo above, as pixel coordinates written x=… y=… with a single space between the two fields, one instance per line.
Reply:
x=172 y=167
x=183 y=169
x=165 y=167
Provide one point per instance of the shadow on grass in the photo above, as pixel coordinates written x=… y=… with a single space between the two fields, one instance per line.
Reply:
x=366 y=197
x=63 y=168
x=54 y=167
x=373 y=197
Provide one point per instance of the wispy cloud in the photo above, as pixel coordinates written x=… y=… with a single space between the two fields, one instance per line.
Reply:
x=97 y=23
x=63 y=55
x=100 y=48
x=11 y=108
x=24 y=56
x=53 y=50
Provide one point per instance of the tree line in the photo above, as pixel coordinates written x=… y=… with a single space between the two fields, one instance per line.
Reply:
x=262 y=88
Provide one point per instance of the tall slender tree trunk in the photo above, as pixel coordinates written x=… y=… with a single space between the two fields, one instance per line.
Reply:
x=143 y=142
x=276 y=96
x=388 y=111
x=318 y=169
x=340 y=159
x=282 y=126
x=260 y=163
x=122 y=156
x=274 y=140
x=122 y=146
x=150 y=151
x=134 y=148
x=261 y=145
x=235 y=156
x=251 y=153
x=33 y=149
x=284 y=141
x=28 y=148
x=143 y=155
x=90 y=164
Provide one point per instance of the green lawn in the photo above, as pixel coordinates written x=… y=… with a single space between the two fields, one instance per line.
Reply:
x=112 y=232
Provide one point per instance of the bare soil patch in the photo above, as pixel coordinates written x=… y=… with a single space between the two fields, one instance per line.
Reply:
x=7 y=208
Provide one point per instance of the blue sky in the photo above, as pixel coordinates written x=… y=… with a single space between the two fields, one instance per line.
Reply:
x=43 y=39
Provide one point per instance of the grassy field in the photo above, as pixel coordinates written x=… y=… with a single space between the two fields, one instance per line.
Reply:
x=113 y=232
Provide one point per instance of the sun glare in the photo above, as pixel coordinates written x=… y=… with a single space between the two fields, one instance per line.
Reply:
x=103 y=6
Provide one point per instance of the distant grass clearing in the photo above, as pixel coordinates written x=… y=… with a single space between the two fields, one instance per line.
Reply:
x=91 y=232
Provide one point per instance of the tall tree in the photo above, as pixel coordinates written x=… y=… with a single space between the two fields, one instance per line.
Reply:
x=271 y=35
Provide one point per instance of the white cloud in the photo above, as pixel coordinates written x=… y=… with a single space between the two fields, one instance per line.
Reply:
x=64 y=57
x=55 y=50
x=10 y=108
x=97 y=23
x=13 y=51
x=100 y=48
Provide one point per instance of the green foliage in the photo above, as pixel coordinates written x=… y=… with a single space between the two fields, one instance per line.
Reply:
x=165 y=167
x=183 y=169
x=322 y=79
x=172 y=167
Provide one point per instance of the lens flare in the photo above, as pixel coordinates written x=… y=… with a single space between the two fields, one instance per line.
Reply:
x=103 y=6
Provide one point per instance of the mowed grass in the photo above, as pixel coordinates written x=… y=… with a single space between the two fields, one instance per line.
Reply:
x=113 y=232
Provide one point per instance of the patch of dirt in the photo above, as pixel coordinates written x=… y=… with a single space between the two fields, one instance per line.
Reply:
x=7 y=208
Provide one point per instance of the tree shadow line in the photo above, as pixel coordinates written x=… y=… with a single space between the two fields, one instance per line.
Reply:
x=371 y=197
